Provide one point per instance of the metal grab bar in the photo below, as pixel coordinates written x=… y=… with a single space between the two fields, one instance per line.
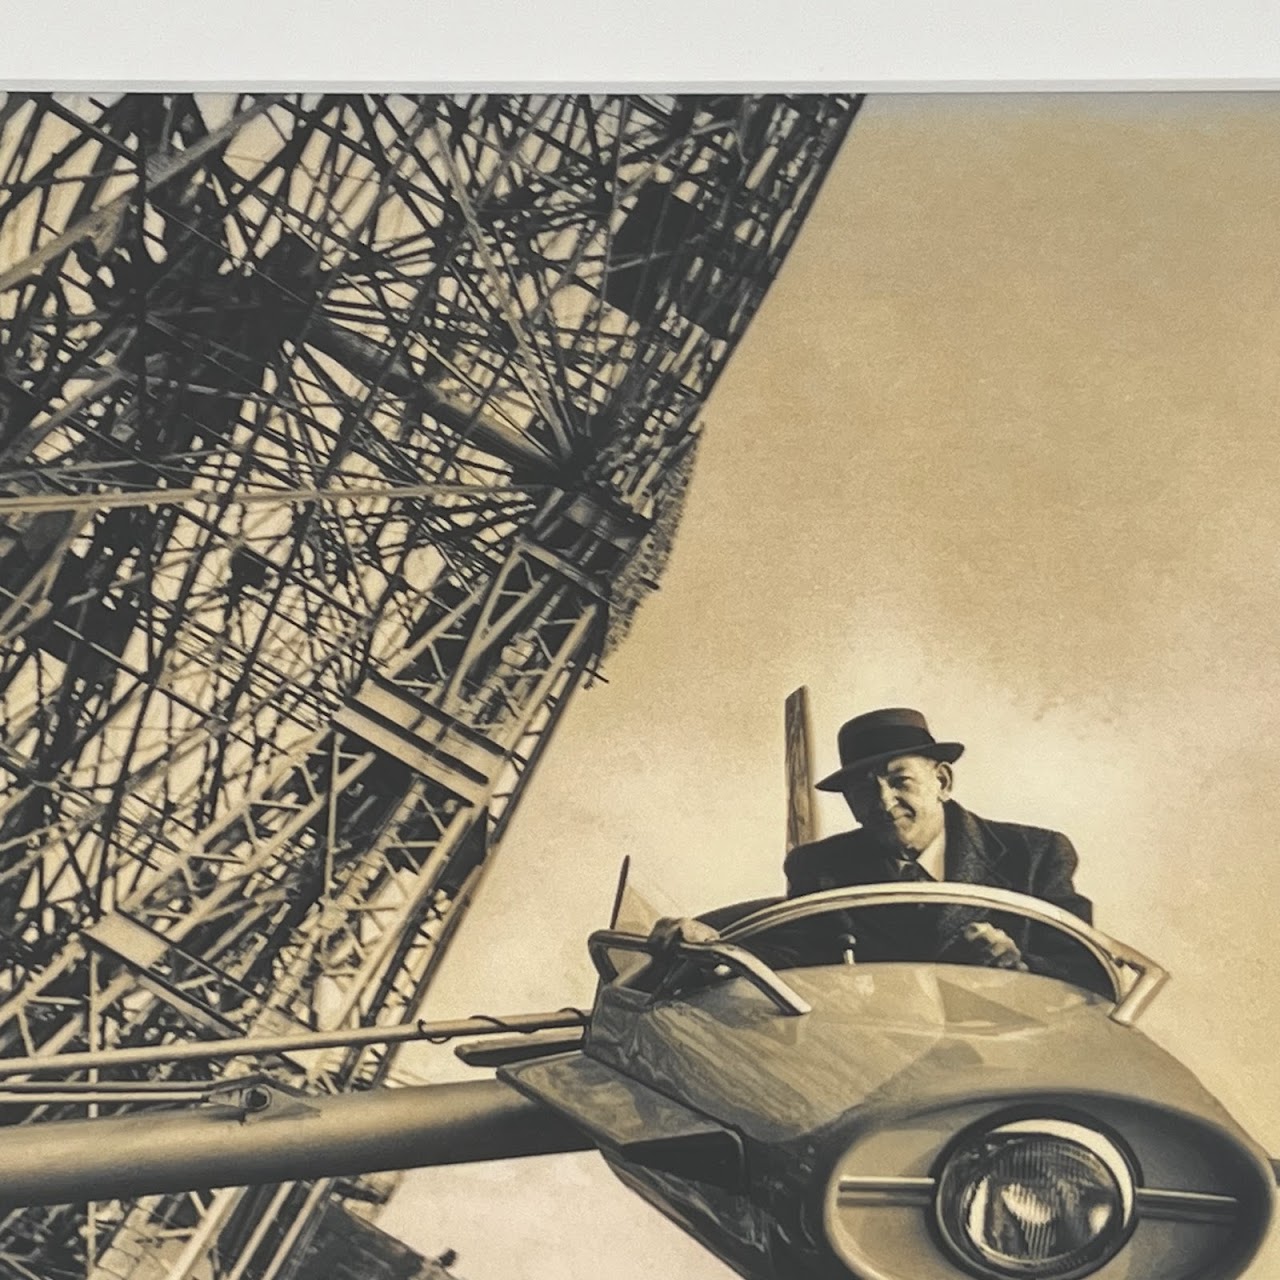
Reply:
x=1131 y=995
x=738 y=959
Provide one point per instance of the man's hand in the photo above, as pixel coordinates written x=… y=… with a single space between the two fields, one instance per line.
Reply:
x=669 y=932
x=983 y=943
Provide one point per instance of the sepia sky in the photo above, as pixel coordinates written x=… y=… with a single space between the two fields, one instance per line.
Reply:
x=1001 y=445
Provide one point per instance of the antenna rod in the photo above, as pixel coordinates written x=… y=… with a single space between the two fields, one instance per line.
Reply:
x=240 y=1046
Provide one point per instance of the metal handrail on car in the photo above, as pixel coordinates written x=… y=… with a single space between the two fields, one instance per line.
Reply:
x=1132 y=994
x=711 y=954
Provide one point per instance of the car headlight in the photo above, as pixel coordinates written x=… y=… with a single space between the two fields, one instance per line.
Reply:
x=1035 y=1198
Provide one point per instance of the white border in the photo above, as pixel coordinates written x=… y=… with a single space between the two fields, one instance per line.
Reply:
x=889 y=45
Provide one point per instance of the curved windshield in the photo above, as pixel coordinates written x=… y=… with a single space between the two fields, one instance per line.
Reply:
x=929 y=923
x=940 y=923
x=931 y=933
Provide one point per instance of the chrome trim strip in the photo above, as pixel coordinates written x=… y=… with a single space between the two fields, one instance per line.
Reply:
x=916 y=1193
x=1154 y=1204
x=1158 y=1205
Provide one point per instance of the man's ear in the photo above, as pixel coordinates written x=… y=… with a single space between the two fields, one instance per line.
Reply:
x=945 y=778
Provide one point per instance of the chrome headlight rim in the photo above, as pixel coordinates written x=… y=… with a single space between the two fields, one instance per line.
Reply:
x=1097 y=1140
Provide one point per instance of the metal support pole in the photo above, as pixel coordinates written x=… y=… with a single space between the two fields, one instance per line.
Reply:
x=801 y=816
x=70 y=1161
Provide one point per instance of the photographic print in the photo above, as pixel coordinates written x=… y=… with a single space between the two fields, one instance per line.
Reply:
x=612 y=684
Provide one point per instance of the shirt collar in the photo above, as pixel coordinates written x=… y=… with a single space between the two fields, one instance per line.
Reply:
x=933 y=858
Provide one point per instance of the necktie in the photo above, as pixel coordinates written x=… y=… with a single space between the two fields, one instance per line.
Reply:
x=911 y=871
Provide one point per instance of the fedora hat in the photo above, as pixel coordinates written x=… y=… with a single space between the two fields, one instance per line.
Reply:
x=878 y=736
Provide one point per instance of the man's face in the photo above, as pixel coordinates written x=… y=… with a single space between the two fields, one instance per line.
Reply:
x=900 y=801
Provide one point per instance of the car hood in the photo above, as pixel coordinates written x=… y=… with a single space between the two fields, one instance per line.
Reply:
x=882 y=1036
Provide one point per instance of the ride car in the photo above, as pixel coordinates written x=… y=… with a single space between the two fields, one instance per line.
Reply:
x=905 y=1119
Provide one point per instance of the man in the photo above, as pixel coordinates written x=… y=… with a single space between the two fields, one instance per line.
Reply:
x=897 y=781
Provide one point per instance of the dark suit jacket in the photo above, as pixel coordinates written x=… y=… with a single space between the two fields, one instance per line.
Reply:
x=1006 y=855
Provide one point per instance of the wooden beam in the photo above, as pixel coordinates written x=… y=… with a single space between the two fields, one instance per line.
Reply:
x=801 y=812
